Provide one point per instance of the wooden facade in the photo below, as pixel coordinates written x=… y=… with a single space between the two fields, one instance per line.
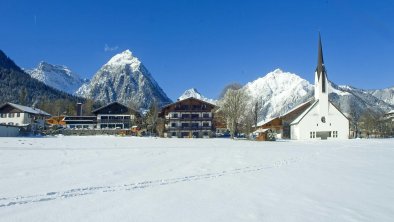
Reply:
x=188 y=118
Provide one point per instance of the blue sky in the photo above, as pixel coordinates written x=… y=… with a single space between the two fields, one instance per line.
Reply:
x=206 y=44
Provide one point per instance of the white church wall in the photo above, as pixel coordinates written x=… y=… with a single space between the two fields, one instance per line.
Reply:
x=313 y=124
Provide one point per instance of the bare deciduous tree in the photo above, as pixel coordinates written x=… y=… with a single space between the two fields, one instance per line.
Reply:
x=152 y=116
x=233 y=105
x=250 y=119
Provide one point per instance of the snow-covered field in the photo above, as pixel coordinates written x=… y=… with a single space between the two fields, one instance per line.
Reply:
x=146 y=179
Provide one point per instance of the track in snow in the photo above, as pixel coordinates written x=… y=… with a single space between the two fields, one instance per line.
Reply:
x=76 y=192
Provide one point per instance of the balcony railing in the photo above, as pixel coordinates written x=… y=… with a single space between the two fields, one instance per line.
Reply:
x=189 y=128
x=192 y=109
x=114 y=121
x=190 y=118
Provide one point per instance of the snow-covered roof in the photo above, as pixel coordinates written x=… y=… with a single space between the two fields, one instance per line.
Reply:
x=27 y=109
x=261 y=131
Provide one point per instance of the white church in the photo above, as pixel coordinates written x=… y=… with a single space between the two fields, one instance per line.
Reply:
x=321 y=119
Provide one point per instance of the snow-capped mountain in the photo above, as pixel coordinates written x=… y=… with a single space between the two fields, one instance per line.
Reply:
x=279 y=92
x=386 y=95
x=195 y=94
x=282 y=91
x=355 y=101
x=57 y=76
x=124 y=79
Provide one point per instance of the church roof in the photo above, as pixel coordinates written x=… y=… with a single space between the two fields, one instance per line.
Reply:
x=303 y=114
x=288 y=115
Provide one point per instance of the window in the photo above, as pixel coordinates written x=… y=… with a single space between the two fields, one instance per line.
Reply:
x=18 y=115
x=11 y=115
x=335 y=134
x=173 y=124
x=314 y=134
x=205 y=133
x=206 y=115
x=310 y=134
x=195 y=116
x=175 y=115
x=195 y=125
x=173 y=134
x=205 y=124
x=185 y=124
x=185 y=116
x=3 y=115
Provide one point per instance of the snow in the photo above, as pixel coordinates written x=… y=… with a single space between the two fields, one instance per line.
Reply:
x=195 y=94
x=107 y=178
x=57 y=76
x=124 y=78
x=339 y=92
x=279 y=92
x=125 y=58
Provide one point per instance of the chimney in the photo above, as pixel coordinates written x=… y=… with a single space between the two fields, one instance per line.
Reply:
x=79 y=109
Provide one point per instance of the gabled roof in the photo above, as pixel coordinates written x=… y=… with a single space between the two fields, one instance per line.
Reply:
x=303 y=114
x=110 y=104
x=26 y=109
x=190 y=98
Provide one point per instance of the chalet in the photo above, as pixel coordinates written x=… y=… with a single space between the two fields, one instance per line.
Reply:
x=188 y=118
x=111 y=116
x=18 y=115
x=115 y=116
x=317 y=118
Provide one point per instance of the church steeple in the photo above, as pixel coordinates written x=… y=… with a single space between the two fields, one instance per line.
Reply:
x=320 y=61
x=320 y=69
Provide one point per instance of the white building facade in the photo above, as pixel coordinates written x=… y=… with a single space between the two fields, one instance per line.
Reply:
x=322 y=120
x=18 y=115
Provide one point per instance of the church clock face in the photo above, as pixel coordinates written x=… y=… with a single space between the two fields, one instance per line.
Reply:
x=323 y=119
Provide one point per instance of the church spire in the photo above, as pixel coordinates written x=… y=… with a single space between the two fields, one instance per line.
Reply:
x=320 y=69
x=320 y=62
